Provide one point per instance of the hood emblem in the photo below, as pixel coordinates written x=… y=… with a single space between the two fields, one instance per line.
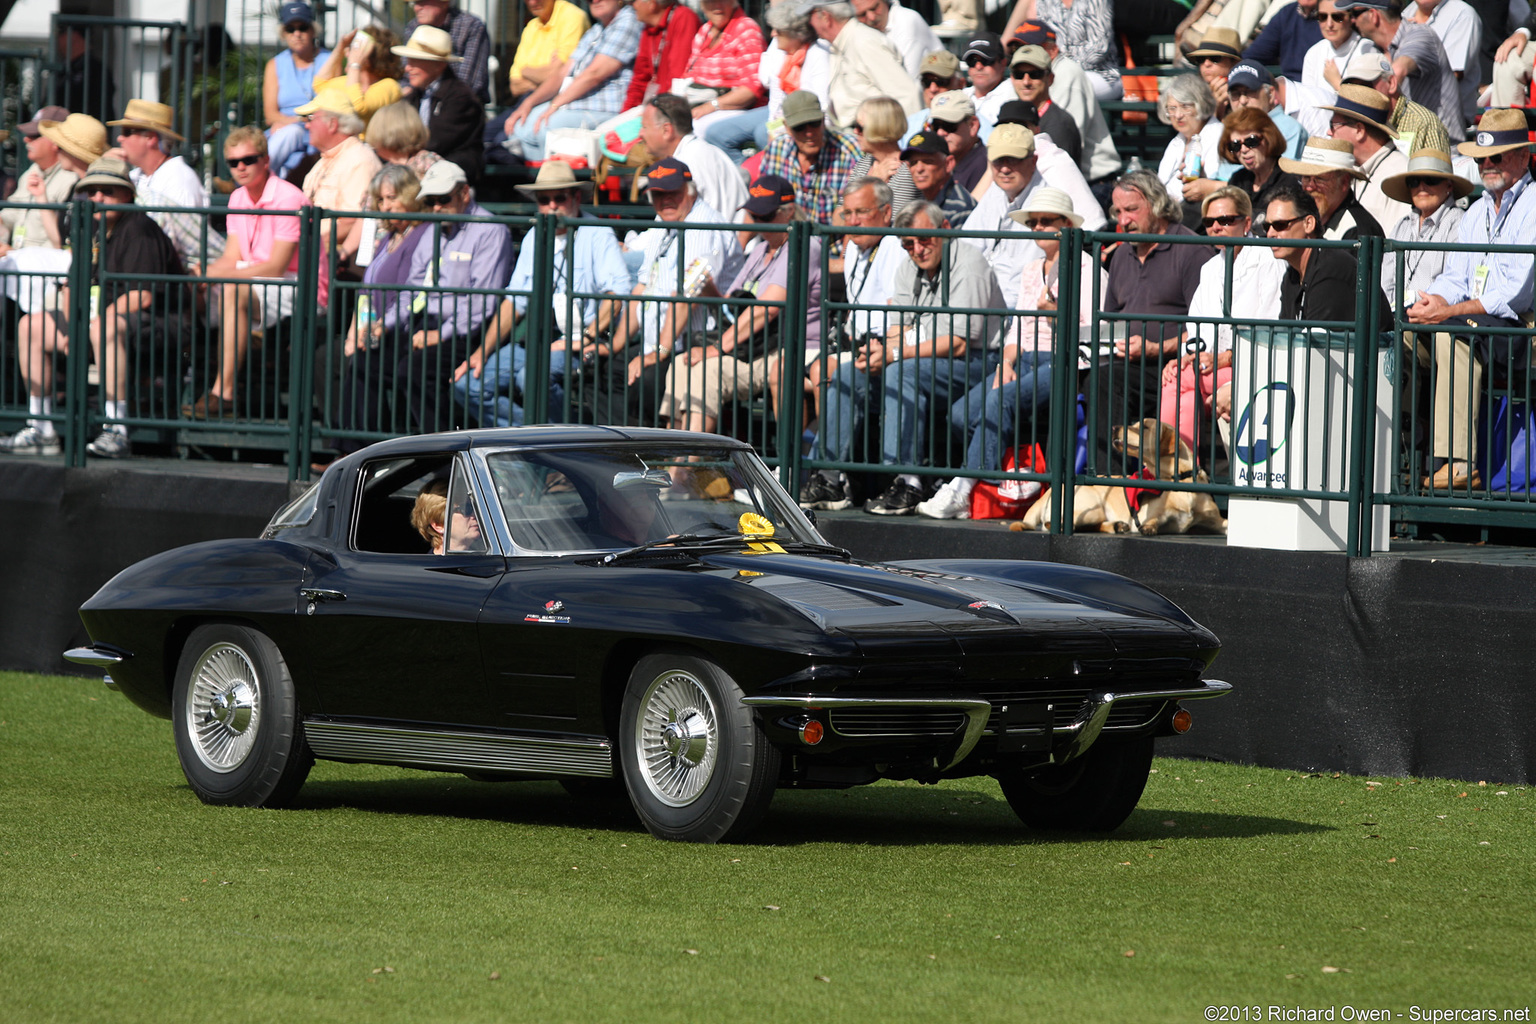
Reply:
x=979 y=605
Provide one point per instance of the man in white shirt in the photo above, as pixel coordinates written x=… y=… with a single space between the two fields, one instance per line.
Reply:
x=905 y=28
x=666 y=128
x=1015 y=173
x=159 y=179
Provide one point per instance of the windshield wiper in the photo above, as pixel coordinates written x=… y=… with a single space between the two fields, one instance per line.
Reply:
x=681 y=540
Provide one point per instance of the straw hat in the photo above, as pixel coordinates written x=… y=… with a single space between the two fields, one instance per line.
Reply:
x=148 y=114
x=109 y=171
x=553 y=175
x=1048 y=200
x=1425 y=163
x=80 y=135
x=427 y=43
x=1498 y=132
x=1219 y=42
x=1364 y=104
x=1323 y=155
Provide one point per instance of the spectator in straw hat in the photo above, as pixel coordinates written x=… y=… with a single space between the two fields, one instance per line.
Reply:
x=48 y=179
x=1219 y=51
x=1415 y=125
x=1431 y=189
x=1480 y=289
x=1360 y=118
x=489 y=382
x=1327 y=171
x=126 y=312
x=471 y=40
x=145 y=139
x=454 y=116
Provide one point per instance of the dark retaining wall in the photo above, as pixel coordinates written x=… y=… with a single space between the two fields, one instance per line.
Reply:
x=1381 y=666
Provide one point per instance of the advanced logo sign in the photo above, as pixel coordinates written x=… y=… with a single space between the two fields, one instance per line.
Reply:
x=1262 y=431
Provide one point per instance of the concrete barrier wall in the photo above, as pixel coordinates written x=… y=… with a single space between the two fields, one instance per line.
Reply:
x=1379 y=666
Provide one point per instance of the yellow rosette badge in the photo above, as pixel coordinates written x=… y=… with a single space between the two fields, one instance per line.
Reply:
x=751 y=524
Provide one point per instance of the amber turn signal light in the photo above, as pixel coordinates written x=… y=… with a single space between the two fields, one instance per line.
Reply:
x=811 y=732
x=1181 y=721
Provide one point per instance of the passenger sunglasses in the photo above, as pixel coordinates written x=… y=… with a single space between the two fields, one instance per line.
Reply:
x=1236 y=146
x=243 y=161
x=1225 y=221
x=1022 y=71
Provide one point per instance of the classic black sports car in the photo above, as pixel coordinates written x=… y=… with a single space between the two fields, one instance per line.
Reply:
x=593 y=604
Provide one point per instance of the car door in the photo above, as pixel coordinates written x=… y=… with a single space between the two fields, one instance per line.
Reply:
x=393 y=631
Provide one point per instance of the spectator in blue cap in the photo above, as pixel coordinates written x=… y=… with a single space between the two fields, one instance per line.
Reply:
x=289 y=84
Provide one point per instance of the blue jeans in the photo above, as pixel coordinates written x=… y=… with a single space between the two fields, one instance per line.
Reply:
x=734 y=134
x=908 y=388
x=493 y=398
x=287 y=147
x=565 y=117
x=987 y=415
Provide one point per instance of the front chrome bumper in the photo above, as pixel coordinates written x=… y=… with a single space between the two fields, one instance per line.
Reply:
x=1080 y=734
x=98 y=657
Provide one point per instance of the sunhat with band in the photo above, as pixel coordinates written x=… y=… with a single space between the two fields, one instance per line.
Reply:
x=80 y=135
x=1320 y=156
x=156 y=117
x=1364 y=104
x=1425 y=163
x=554 y=175
x=1498 y=132
x=1047 y=200
x=110 y=172
x=427 y=43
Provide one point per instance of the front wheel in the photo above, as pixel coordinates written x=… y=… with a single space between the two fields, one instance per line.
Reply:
x=1094 y=793
x=696 y=765
x=236 y=718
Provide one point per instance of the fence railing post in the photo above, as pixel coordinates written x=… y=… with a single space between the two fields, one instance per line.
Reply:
x=305 y=330
x=792 y=355
x=541 y=326
x=1367 y=276
x=77 y=406
x=1061 y=459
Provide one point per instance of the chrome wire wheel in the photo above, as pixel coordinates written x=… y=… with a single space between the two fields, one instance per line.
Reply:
x=223 y=707
x=677 y=738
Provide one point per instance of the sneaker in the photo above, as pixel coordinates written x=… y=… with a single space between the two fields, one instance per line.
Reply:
x=899 y=499
x=949 y=503
x=821 y=494
x=31 y=441
x=109 y=444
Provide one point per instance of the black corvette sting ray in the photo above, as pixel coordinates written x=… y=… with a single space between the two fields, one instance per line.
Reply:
x=643 y=612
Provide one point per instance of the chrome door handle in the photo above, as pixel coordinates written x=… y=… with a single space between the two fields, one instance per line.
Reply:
x=314 y=595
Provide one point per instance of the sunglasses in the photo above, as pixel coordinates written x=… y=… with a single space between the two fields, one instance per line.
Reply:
x=763 y=218
x=128 y=132
x=947 y=127
x=980 y=62
x=243 y=161
x=1236 y=146
x=1284 y=224
x=1023 y=71
x=298 y=26
x=1225 y=221
x=1414 y=181
x=1217 y=60
x=918 y=243
x=1336 y=16
x=929 y=81
x=1491 y=159
x=553 y=197
x=1036 y=223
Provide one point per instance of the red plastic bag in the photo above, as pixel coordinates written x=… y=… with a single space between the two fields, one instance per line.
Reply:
x=988 y=503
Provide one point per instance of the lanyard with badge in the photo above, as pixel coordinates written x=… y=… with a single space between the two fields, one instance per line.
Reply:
x=1493 y=226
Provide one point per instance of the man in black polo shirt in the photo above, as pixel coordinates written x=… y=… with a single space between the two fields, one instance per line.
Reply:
x=122 y=312
x=1151 y=278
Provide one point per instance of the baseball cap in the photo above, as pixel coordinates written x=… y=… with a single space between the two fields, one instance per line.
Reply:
x=1034 y=56
x=1010 y=140
x=925 y=143
x=290 y=13
x=1034 y=31
x=767 y=194
x=986 y=45
x=1367 y=67
x=953 y=106
x=941 y=63
x=1018 y=112
x=33 y=128
x=669 y=175
x=1249 y=75
x=441 y=179
x=801 y=107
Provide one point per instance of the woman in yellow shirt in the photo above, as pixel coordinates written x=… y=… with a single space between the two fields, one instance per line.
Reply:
x=372 y=72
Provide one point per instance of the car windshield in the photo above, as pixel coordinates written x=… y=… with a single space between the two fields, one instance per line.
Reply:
x=583 y=499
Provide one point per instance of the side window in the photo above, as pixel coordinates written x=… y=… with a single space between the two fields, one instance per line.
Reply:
x=462 y=527
x=400 y=503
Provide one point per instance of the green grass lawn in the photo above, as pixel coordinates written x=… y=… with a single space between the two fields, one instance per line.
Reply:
x=391 y=895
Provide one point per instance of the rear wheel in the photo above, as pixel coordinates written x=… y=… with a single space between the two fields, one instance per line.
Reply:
x=236 y=719
x=1094 y=793
x=696 y=764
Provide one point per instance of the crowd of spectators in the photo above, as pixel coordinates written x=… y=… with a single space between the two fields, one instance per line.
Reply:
x=855 y=116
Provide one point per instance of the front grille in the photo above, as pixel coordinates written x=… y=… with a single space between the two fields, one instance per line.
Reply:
x=1066 y=705
x=878 y=721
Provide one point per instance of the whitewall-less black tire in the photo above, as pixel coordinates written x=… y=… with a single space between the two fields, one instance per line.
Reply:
x=696 y=765
x=1094 y=793
x=238 y=732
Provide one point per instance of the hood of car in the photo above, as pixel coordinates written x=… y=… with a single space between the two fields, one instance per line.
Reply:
x=883 y=604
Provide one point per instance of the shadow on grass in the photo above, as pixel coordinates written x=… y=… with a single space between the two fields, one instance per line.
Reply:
x=868 y=815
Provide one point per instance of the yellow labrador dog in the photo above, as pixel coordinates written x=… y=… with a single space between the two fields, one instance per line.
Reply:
x=1159 y=448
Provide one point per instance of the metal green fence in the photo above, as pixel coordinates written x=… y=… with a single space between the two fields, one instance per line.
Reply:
x=1329 y=416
